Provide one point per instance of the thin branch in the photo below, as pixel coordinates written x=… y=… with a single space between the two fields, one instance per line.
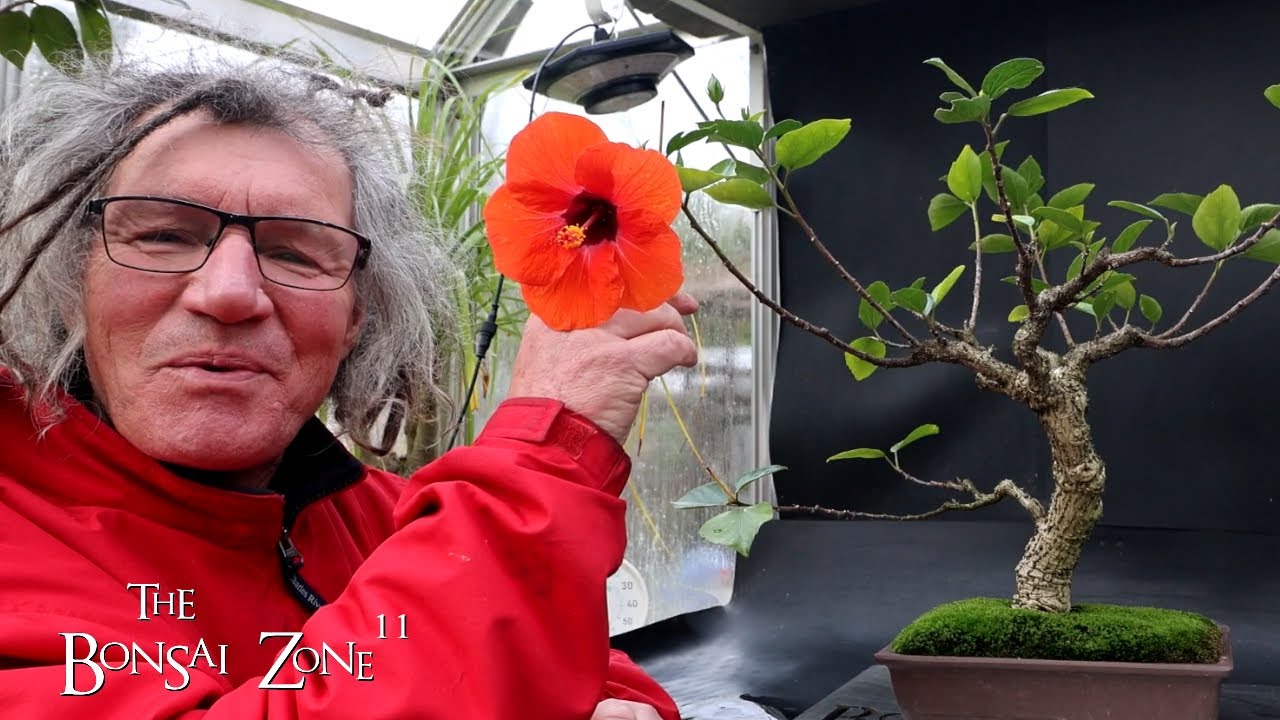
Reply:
x=1023 y=267
x=1195 y=304
x=1163 y=343
x=812 y=235
x=1062 y=320
x=1006 y=488
x=977 y=270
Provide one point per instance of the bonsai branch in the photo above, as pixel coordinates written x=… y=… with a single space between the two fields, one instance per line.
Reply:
x=1195 y=304
x=1023 y=268
x=977 y=270
x=1005 y=488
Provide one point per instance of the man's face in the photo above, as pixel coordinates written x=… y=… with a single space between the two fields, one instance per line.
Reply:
x=217 y=369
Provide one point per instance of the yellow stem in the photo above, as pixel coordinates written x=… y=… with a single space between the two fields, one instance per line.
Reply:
x=648 y=518
x=702 y=363
x=728 y=492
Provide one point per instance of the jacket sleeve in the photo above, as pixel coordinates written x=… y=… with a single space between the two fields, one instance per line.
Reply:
x=498 y=563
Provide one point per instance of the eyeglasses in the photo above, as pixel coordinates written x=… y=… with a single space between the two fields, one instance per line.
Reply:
x=175 y=236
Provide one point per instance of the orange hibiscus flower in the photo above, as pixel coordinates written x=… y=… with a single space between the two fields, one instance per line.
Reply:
x=584 y=224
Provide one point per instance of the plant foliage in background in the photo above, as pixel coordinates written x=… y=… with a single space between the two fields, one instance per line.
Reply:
x=1015 y=222
x=64 y=44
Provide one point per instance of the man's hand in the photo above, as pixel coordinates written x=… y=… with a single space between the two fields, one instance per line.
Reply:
x=624 y=710
x=602 y=372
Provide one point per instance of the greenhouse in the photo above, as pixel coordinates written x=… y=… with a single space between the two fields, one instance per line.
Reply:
x=638 y=359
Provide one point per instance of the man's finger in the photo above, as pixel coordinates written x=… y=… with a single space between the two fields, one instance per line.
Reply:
x=630 y=324
x=684 y=303
x=657 y=352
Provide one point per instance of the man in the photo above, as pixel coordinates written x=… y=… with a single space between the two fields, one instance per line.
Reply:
x=179 y=535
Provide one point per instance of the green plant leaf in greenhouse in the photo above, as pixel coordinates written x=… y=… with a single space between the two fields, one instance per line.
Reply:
x=705 y=495
x=743 y=133
x=1070 y=196
x=692 y=179
x=964 y=180
x=869 y=346
x=1019 y=313
x=941 y=289
x=1062 y=218
x=737 y=527
x=1103 y=303
x=921 y=432
x=15 y=36
x=738 y=191
x=964 y=110
x=681 y=140
x=1267 y=249
x=912 y=298
x=868 y=315
x=1273 y=95
x=1254 y=215
x=55 y=35
x=751 y=476
x=95 y=29
x=945 y=209
x=1185 y=203
x=1140 y=209
x=782 y=128
x=996 y=243
x=952 y=75
x=1014 y=74
x=858 y=454
x=1048 y=101
x=1128 y=236
x=805 y=145
x=1217 y=219
x=1126 y=295
x=1031 y=172
x=1150 y=308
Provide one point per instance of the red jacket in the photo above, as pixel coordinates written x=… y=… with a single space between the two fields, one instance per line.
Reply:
x=495 y=555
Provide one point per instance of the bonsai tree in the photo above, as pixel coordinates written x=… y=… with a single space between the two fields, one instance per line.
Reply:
x=910 y=326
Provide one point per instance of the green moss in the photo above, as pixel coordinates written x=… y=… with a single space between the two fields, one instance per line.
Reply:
x=986 y=627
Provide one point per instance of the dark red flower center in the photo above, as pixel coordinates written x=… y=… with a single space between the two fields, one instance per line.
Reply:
x=588 y=220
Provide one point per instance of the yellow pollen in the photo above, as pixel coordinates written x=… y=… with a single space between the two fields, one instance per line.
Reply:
x=571 y=236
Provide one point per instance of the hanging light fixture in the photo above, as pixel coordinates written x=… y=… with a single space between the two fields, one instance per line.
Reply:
x=611 y=75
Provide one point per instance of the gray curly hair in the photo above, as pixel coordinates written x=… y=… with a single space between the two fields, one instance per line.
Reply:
x=61 y=141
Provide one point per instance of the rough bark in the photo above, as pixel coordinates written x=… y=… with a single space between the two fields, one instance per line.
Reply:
x=1043 y=576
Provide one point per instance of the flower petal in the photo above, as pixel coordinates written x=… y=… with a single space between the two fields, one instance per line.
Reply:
x=586 y=294
x=631 y=178
x=523 y=239
x=547 y=150
x=649 y=260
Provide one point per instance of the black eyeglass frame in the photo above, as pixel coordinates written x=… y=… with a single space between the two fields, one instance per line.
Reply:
x=97 y=206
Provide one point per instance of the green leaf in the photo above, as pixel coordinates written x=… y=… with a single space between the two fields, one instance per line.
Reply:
x=740 y=192
x=1126 y=296
x=55 y=35
x=1217 y=220
x=860 y=368
x=858 y=454
x=941 y=289
x=803 y=146
x=964 y=180
x=951 y=96
x=1254 y=215
x=1150 y=309
x=692 y=179
x=952 y=75
x=1070 y=197
x=1013 y=74
x=705 y=495
x=923 y=431
x=95 y=31
x=1048 y=101
x=1103 y=304
x=737 y=527
x=15 y=37
x=747 y=171
x=681 y=140
x=1267 y=249
x=964 y=110
x=1031 y=172
x=1019 y=313
x=1062 y=218
x=1273 y=95
x=945 y=209
x=1085 y=308
x=988 y=173
x=782 y=128
x=751 y=476
x=996 y=243
x=743 y=133
x=1186 y=203
x=715 y=91
x=869 y=316
x=1129 y=236
x=1140 y=209
x=1015 y=187
x=918 y=284
x=911 y=298
x=1075 y=268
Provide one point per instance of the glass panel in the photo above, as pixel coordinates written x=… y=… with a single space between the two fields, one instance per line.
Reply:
x=418 y=23
x=682 y=572
x=547 y=21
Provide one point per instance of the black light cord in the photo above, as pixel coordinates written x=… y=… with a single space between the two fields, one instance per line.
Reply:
x=484 y=338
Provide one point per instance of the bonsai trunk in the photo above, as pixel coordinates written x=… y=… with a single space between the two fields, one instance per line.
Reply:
x=1043 y=576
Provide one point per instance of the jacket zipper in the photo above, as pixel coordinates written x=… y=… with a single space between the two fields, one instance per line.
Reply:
x=291 y=559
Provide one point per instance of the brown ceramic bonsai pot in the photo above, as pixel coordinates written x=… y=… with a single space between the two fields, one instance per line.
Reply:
x=975 y=688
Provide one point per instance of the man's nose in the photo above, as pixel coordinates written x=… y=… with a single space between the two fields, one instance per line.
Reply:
x=229 y=287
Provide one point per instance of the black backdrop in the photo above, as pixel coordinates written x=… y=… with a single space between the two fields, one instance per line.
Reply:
x=1179 y=107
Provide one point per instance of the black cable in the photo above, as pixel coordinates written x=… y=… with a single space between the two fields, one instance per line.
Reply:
x=489 y=329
